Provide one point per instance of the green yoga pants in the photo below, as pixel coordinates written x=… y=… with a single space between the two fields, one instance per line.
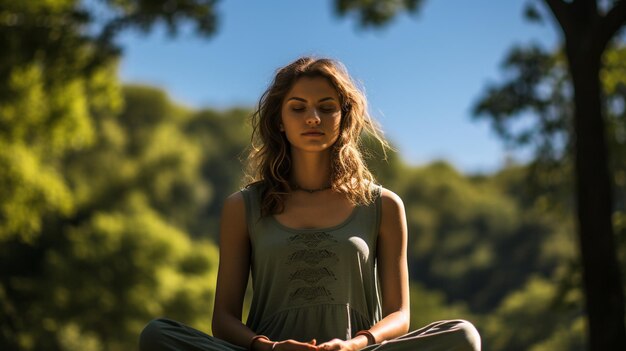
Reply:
x=452 y=335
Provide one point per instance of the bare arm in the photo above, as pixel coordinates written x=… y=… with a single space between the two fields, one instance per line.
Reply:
x=232 y=276
x=232 y=279
x=393 y=270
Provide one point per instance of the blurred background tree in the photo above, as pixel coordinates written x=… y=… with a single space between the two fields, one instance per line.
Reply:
x=88 y=228
x=110 y=194
x=576 y=96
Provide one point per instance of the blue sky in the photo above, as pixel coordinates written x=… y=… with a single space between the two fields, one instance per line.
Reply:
x=422 y=73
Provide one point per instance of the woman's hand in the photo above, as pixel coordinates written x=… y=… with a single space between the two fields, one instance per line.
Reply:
x=291 y=345
x=339 y=345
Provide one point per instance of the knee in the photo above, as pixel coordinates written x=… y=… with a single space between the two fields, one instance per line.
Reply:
x=471 y=337
x=152 y=337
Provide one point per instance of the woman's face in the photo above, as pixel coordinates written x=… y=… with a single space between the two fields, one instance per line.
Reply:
x=311 y=115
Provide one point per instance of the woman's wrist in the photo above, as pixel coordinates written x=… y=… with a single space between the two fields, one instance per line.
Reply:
x=359 y=342
x=263 y=344
x=371 y=340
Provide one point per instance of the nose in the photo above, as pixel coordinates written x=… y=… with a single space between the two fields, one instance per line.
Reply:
x=313 y=118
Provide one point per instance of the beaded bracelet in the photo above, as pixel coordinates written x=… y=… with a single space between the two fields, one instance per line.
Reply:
x=371 y=340
x=257 y=337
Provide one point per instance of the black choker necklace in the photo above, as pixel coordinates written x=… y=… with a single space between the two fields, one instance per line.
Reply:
x=296 y=187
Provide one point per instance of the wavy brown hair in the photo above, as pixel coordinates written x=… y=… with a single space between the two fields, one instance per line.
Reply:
x=269 y=160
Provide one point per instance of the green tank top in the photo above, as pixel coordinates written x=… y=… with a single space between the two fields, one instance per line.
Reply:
x=313 y=283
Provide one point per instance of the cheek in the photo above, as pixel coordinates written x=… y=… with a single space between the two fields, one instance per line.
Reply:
x=336 y=131
x=338 y=124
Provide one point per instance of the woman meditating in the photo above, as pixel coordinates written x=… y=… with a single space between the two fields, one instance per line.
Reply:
x=325 y=245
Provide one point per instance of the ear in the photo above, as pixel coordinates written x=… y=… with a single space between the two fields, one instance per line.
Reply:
x=282 y=128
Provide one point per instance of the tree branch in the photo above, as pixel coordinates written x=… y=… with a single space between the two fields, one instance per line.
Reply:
x=613 y=21
x=562 y=12
x=588 y=7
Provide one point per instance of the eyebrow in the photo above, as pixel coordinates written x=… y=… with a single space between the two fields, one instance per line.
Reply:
x=304 y=100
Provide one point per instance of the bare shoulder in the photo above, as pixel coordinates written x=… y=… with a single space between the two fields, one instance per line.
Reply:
x=233 y=217
x=393 y=218
x=235 y=201
x=391 y=202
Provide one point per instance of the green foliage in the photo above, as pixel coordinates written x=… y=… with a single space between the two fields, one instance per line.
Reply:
x=566 y=337
x=484 y=248
x=429 y=306
x=97 y=194
x=29 y=190
x=56 y=71
x=538 y=95
x=468 y=238
x=104 y=279
x=384 y=163
x=375 y=13
x=224 y=138
x=528 y=317
x=72 y=37
x=538 y=85
x=39 y=124
x=614 y=82
x=122 y=253
x=114 y=261
x=143 y=15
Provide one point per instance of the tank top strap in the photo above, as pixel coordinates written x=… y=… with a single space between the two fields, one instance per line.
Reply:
x=368 y=216
x=375 y=209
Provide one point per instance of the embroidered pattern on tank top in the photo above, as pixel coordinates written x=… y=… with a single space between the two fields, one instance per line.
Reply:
x=312 y=275
x=312 y=239
x=311 y=264
x=313 y=257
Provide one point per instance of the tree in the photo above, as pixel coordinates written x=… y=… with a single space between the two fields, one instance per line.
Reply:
x=85 y=277
x=588 y=28
x=223 y=137
x=574 y=116
x=474 y=238
x=531 y=306
x=58 y=80
x=57 y=68
x=375 y=13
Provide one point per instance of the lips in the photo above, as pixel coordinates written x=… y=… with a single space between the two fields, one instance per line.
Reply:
x=313 y=133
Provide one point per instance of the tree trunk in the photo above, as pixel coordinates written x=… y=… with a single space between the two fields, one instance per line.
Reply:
x=601 y=272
